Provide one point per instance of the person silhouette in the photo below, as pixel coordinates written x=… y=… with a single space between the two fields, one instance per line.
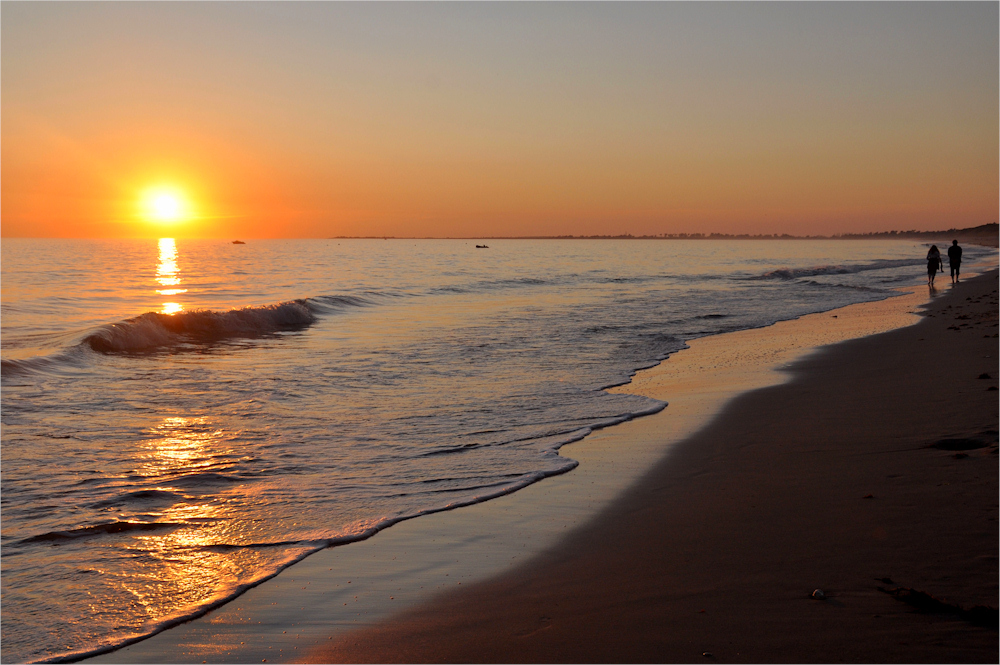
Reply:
x=933 y=263
x=954 y=260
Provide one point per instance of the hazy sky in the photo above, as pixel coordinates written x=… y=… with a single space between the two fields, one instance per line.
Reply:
x=414 y=119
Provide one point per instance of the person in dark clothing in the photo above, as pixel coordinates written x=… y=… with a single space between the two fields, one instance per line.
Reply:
x=933 y=264
x=954 y=260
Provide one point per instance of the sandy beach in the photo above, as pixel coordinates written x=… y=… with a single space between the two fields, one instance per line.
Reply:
x=499 y=332
x=718 y=548
x=872 y=476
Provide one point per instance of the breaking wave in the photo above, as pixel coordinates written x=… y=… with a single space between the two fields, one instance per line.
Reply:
x=795 y=273
x=153 y=330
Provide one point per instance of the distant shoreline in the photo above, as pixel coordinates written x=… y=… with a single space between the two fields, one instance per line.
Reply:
x=986 y=234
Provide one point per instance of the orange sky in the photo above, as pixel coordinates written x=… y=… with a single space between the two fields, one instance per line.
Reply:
x=317 y=119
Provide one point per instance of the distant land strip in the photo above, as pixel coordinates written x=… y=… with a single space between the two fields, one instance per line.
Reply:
x=986 y=234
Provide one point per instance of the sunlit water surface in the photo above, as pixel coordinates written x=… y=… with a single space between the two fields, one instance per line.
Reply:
x=181 y=419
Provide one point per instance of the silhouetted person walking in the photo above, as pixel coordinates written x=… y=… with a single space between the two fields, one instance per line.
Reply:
x=933 y=264
x=954 y=260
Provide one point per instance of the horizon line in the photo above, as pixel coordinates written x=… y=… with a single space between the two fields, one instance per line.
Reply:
x=991 y=229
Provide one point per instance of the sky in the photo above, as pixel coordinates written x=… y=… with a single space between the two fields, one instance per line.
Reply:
x=301 y=120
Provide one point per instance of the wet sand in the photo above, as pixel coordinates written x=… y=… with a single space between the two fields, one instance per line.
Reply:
x=871 y=475
x=618 y=588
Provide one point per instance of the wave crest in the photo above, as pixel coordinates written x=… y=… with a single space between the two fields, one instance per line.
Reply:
x=153 y=330
x=794 y=273
x=16 y=367
x=97 y=530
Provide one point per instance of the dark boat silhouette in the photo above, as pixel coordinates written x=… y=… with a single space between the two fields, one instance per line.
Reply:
x=482 y=246
x=238 y=242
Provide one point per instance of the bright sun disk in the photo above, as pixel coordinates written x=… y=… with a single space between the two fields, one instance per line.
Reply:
x=161 y=205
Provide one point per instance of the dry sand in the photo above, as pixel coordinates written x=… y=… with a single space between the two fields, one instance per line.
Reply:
x=620 y=587
x=871 y=475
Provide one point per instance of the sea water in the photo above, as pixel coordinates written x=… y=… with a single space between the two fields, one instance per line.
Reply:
x=182 y=419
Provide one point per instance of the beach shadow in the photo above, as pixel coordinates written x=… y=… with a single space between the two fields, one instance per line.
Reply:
x=982 y=440
x=980 y=615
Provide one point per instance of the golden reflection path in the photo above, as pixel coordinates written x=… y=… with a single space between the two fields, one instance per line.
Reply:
x=194 y=562
x=166 y=275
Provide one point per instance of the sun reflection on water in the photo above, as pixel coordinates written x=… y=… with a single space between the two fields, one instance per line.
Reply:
x=192 y=561
x=166 y=275
x=182 y=445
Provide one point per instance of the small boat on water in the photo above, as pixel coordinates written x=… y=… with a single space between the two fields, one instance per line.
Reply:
x=482 y=246
x=238 y=242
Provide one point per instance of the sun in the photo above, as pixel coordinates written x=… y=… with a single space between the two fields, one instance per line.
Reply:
x=167 y=208
x=165 y=205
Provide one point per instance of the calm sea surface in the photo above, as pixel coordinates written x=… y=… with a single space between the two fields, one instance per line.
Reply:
x=182 y=419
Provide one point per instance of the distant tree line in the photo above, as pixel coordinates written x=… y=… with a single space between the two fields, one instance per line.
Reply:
x=985 y=230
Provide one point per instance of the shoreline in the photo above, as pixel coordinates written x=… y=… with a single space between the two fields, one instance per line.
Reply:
x=490 y=538
x=857 y=477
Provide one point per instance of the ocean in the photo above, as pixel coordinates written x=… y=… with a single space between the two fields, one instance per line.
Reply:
x=183 y=419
